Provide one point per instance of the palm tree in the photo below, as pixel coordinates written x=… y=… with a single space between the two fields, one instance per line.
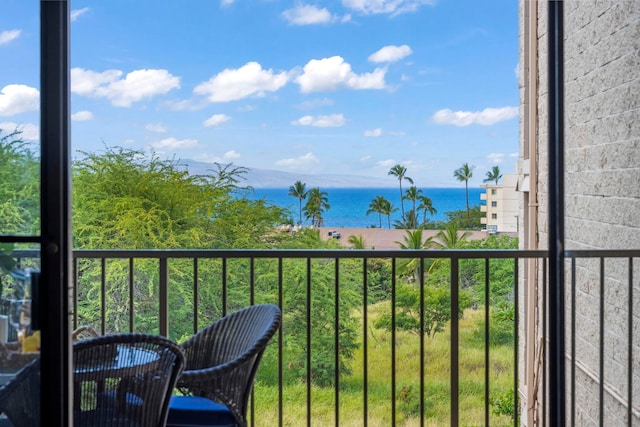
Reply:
x=426 y=206
x=378 y=205
x=387 y=210
x=493 y=175
x=299 y=191
x=356 y=241
x=317 y=202
x=413 y=240
x=464 y=174
x=399 y=172
x=450 y=238
x=413 y=194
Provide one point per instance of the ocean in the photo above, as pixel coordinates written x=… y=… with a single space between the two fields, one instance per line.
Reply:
x=349 y=205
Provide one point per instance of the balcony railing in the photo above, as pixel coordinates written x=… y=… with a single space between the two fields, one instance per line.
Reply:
x=362 y=333
x=361 y=343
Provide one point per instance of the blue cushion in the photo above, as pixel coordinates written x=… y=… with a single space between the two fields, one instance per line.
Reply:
x=188 y=411
x=109 y=400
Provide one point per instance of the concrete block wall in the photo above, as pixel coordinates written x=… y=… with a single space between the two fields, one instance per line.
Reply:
x=602 y=191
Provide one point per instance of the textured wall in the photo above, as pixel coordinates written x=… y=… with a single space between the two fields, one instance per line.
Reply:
x=602 y=102
x=602 y=190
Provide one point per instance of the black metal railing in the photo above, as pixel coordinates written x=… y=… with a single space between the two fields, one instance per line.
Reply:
x=176 y=292
x=327 y=279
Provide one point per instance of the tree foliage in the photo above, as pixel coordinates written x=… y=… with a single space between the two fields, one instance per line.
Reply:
x=465 y=173
x=19 y=186
x=400 y=172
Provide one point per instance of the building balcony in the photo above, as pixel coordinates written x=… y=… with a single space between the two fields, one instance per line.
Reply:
x=367 y=336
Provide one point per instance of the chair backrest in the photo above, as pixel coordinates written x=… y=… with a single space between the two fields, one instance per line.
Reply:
x=20 y=397
x=223 y=358
x=136 y=371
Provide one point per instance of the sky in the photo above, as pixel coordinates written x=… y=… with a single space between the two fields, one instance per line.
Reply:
x=311 y=87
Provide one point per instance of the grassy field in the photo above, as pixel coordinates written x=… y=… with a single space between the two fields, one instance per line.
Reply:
x=379 y=368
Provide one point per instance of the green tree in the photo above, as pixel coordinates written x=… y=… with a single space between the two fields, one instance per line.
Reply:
x=465 y=173
x=436 y=313
x=450 y=238
x=228 y=177
x=356 y=241
x=387 y=210
x=19 y=186
x=400 y=173
x=413 y=194
x=317 y=203
x=299 y=191
x=124 y=198
x=378 y=205
x=413 y=240
x=459 y=219
x=493 y=175
x=426 y=206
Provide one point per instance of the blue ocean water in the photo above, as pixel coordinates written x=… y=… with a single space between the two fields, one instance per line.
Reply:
x=349 y=205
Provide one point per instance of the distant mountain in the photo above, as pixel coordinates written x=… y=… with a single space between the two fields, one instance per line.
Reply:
x=267 y=178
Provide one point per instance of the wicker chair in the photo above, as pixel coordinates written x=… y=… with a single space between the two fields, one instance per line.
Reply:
x=20 y=398
x=222 y=361
x=124 y=379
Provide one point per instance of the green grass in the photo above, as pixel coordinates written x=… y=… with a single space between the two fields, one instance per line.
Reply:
x=436 y=382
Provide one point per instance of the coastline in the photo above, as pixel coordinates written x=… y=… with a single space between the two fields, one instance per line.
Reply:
x=383 y=238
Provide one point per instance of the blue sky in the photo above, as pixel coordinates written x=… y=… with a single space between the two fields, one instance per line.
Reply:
x=337 y=87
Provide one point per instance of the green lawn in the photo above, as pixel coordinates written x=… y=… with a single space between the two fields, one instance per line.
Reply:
x=436 y=386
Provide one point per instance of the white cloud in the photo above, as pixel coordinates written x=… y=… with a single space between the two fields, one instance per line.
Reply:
x=495 y=158
x=392 y=7
x=225 y=3
x=135 y=86
x=82 y=116
x=365 y=159
x=234 y=84
x=304 y=162
x=246 y=108
x=156 y=127
x=30 y=132
x=16 y=99
x=391 y=54
x=75 y=14
x=387 y=163
x=306 y=14
x=216 y=119
x=174 y=143
x=333 y=120
x=8 y=36
x=486 y=117
x=374 y=133
x=231 y=154
x=315 y=103
x=327 y=74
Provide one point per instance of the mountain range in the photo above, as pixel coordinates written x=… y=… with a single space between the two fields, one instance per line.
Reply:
x=268 y=178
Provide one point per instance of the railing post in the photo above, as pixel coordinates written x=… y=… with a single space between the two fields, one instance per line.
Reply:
x=454 y=379
x=163 y=317
x=556 y=214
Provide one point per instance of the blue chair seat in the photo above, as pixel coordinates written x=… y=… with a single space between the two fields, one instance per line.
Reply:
x=192 y=411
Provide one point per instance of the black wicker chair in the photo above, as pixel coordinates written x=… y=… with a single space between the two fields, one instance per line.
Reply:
x=124 y=379
x=222 y=361
x=20 y=398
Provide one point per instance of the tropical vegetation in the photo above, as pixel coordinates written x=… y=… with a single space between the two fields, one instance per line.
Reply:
x=465 y=173
x=130 y=199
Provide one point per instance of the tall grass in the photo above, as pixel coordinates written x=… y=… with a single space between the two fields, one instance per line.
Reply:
x=437 y=396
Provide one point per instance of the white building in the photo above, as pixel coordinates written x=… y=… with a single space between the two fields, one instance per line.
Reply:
x=500 y=203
